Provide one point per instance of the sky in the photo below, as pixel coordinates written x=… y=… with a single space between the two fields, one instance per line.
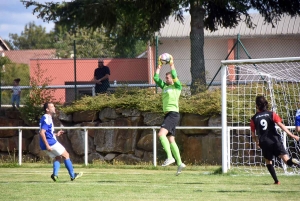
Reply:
x=14 y=17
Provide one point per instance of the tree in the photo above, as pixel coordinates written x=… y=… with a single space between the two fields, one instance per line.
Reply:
x=123 y=25
x=94 y=43
x=31 y=112
x=90 y=43
x=142 y=18
x=10 y=71
x=33 y=37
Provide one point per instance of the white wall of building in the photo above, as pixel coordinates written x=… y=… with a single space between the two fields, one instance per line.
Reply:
x=217 y=49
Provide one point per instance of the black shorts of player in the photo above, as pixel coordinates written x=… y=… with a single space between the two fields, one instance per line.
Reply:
x=272 y=149
x=171 y=120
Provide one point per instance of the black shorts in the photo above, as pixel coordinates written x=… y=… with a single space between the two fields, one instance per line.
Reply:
x=101 y=88
x=171 y=120
x=272 y=149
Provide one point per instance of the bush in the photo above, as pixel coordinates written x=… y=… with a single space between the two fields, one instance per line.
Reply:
x=147 y=100
x=32 y=110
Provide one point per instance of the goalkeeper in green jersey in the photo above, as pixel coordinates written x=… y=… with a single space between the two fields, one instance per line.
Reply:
x=171 y=90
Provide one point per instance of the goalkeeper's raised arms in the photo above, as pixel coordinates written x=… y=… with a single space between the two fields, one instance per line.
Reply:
x=171 y=60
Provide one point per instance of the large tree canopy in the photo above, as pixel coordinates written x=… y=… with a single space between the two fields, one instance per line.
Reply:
x=90 y=43
x=142 y=18
x=136 y=18
x=33 y=37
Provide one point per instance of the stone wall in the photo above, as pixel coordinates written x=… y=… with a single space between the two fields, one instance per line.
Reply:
x=127 y=145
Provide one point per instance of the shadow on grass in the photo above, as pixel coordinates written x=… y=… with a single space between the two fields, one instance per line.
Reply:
x=194 y=183
x=233 y=191
x=33 y=182
x=127 y=181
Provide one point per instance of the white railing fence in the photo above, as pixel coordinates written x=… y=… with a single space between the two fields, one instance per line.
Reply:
x=153 y=128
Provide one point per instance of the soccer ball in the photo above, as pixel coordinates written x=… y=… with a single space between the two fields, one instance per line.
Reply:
x=165 y=58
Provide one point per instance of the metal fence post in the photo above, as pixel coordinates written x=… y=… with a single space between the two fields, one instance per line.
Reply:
x=156 y=57
x=154 y=147
x=86 y=148
x=75 y=79
x=20 y=146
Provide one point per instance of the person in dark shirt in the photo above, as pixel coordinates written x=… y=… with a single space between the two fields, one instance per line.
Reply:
x=101 y=77
x=263 y=123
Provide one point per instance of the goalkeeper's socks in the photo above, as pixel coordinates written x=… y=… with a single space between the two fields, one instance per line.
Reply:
x=272 y=172
x=176 y=152
x=166 y=145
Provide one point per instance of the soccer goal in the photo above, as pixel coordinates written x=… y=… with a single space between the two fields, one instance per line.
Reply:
x=278 y=79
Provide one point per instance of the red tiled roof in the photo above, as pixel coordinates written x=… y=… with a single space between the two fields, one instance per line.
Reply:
x=24 y=56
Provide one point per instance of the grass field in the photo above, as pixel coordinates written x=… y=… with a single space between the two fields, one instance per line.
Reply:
x=32 y=182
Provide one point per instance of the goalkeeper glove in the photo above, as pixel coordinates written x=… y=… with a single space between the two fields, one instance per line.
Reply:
x=159 y=61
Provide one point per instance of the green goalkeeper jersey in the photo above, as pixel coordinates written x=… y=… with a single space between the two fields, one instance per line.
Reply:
x=170 y=93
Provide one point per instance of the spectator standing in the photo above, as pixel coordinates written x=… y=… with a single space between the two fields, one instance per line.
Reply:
x=16 y=93
x=101 y=77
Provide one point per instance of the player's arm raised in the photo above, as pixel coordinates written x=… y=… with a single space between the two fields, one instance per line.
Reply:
x=176 y=81
x=156 y=78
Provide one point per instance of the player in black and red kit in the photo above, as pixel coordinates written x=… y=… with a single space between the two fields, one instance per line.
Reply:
x=263 y=122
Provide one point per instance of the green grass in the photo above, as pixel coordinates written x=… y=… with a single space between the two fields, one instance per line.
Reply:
x=33 y=182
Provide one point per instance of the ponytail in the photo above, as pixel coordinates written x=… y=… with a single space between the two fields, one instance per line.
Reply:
x=261 y=103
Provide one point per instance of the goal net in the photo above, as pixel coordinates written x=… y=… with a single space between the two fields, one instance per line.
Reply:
x=278 y=79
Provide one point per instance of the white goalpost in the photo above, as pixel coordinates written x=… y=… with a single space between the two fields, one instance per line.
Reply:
x=278 y=79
